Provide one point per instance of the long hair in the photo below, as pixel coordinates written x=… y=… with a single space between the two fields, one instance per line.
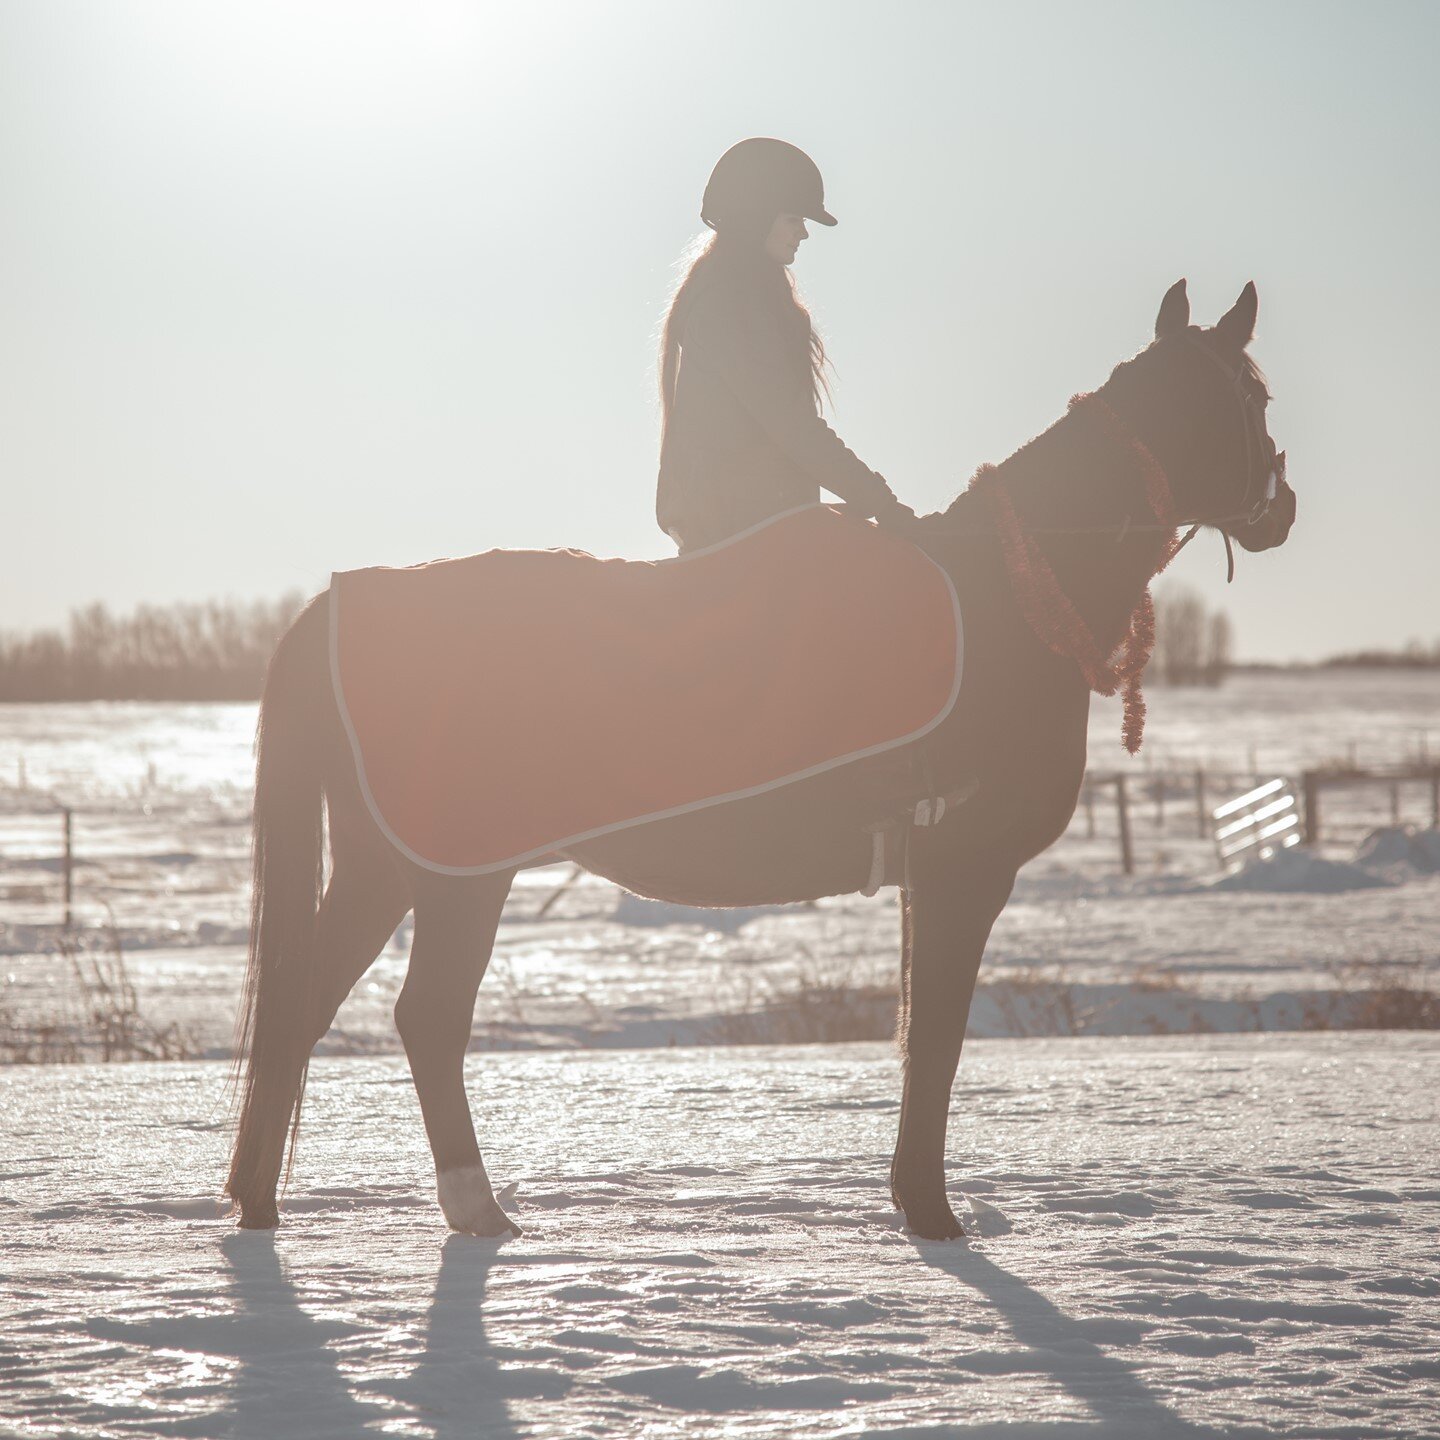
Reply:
x=735 y=259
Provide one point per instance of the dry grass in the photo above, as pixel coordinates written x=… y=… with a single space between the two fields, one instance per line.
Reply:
x=1034 y=1000
x=1398 y=1007
x=1370 y=995
x=96 y=1014
x=817 y=1004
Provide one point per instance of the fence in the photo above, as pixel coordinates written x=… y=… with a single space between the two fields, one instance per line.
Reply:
x=1394 y=780
x=1152 y=817
x=1158 y=817
x=1170 y=805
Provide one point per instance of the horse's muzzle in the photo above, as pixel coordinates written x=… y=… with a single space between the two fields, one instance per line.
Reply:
x=1270 y=528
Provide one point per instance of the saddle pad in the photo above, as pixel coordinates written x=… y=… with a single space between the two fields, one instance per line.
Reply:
x=504 y=706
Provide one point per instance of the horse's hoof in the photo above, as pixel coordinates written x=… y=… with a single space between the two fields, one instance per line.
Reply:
x=469 y=1205
x=258 y=1217
x=934 y=1220
x=935 y=1226
x=489 y=1227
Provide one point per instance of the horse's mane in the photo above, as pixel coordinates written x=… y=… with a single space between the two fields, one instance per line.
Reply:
x=960 y=505
x=1256 y=384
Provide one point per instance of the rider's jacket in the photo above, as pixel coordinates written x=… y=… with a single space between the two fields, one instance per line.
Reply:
x=745 y=439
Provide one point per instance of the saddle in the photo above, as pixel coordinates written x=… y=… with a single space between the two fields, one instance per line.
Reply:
x=504 y=706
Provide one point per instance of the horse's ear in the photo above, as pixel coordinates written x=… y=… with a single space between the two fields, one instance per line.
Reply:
x=1236 y=327
x=1174 y=313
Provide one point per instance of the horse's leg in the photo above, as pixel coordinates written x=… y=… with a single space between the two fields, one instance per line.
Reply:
x=363 y=903
x=948 y=912
x=455 y=924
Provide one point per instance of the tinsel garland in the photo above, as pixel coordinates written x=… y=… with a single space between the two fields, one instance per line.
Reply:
x=1050 y=612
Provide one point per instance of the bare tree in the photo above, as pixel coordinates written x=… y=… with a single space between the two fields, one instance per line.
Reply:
x=1192 y=643
x=212 y=651
x=1217 y=655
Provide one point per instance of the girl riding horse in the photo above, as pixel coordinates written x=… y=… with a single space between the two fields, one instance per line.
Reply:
x=742 y=369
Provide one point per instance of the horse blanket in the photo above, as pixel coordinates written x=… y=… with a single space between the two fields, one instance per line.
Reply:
x=505 y=706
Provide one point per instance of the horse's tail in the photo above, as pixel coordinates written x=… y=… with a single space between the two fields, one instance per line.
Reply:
x=274 y=1037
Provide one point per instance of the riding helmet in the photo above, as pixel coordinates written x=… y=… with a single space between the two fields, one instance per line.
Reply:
x=761 y=178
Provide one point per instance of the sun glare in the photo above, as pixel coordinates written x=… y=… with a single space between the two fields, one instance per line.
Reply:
x=325 y=62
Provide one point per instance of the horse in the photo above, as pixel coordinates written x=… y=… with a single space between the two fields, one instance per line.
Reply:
x=1050 y=554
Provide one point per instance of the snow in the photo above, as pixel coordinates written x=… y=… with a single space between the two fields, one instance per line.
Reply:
x=1401 y=851
x=1301 y=872
x=1197 y=1236
x=1174 y=1228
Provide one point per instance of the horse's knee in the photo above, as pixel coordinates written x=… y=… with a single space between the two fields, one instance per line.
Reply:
x=429 y=1020
x=412 y=1016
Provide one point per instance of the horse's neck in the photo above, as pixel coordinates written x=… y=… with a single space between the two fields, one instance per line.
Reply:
x=1083 y=497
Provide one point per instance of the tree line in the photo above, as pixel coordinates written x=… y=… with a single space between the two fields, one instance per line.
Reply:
x=218 y=650
x=212 y=650
x=1415 y=655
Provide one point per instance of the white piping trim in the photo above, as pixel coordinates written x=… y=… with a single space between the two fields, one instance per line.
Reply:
x=877 y=863
x=556 y=847
x=738 y=535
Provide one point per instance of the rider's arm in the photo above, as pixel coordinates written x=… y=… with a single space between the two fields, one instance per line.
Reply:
x=744 y=347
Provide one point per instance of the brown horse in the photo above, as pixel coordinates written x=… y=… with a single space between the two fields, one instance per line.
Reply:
x=1075 y=510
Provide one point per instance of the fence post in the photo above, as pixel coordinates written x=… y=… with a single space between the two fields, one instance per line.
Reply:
x=1122 y=810
x=1394 y=802
x=1202 y=820
x=69 y=865
x=1310 y=785
x=1160 y=801
x=1435 y=799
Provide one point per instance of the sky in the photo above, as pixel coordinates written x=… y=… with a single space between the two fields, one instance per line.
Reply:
x=292 y=287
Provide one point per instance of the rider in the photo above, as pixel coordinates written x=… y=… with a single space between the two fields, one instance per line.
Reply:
x=742 y=369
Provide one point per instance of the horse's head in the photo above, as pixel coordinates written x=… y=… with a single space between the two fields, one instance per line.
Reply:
x=1208 y=398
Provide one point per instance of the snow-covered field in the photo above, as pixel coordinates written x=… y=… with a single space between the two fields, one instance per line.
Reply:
x=161 y=801
x=1171 y=1233
x=1175 y=1236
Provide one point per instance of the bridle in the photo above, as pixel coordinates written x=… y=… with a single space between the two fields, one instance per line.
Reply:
x=1260 y=491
